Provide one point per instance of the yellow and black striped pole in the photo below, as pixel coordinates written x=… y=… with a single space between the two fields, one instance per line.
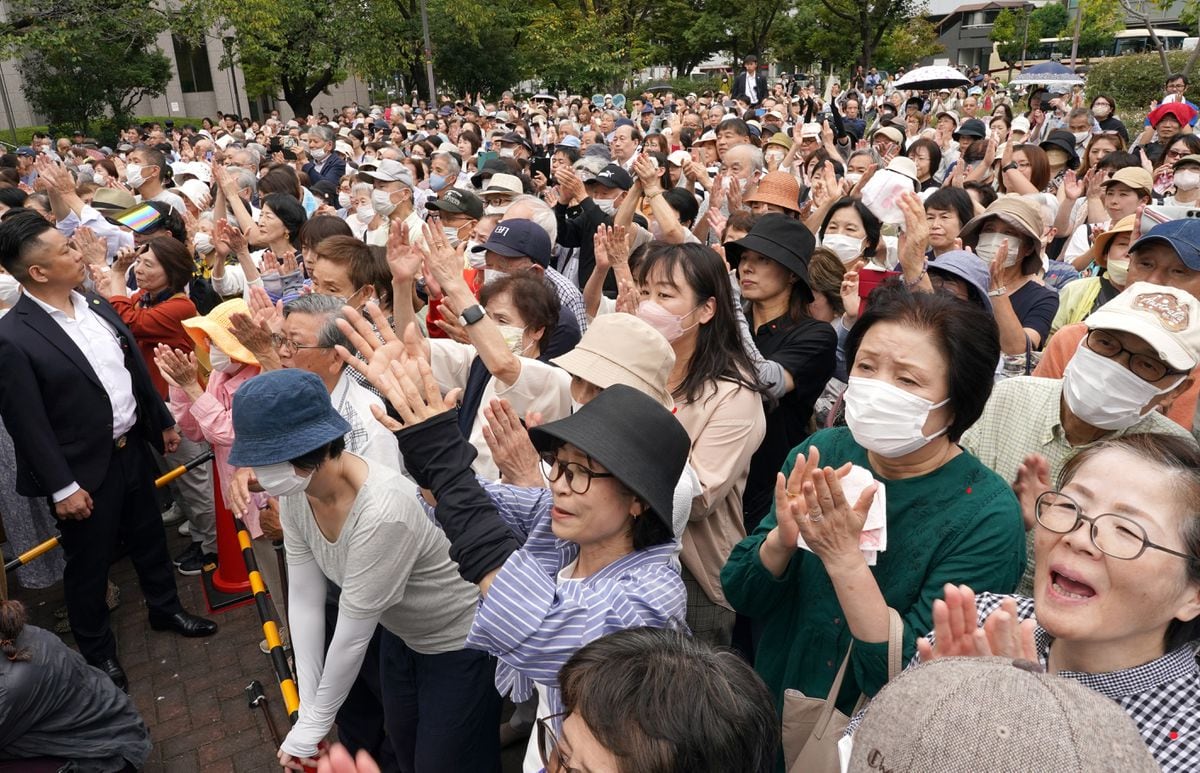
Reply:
x=32 y=553
x=283 y=672
x=40 y=550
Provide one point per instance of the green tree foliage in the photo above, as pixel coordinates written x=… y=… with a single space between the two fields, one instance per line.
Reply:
x=855 y=29
x=83 y=60
x=301 y=47
x=1052 y=21
x=1102 y=19
x=1011 y=30
x=907 y=43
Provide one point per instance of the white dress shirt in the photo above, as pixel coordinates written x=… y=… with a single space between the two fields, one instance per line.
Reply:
x=101 y=347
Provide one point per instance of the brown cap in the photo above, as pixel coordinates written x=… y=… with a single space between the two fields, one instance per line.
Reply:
x=1135 y=177
x=1100 y=242
x=995 y=714
x=1017 y=211
x=778 y=188
x=622 y=349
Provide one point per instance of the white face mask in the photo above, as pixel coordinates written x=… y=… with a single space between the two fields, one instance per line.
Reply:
x=989 y=245
x=281 y=479
x=506 y=152
x=203 y=243
x=220 y=360
x=514 y=338
x=854 y=178
x=381 y=201
x=847 y=248
x=364 y=213
x=607 y=206
x=476 y=259
x=773 y=157
x=1118 y=271
x=492 y=274
x=495 y=209
x=1105 y=393
x=318 y=154
x=133 y=176
x=1101 y=111
x=1187 y=180
x=451 y=234
x=100 y=177
x=886 y=419
x=1082 y=137
x=343 y=199
x=10 y=290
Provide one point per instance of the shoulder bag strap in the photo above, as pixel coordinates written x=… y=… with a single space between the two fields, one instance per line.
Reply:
x=822 y=723
x=895 y=643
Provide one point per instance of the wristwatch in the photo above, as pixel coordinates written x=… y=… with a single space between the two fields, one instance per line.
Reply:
x=1009 y=166
x=471 y=315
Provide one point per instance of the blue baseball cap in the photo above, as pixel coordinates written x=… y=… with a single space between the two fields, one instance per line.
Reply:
x=968 y=267
x=519 y=238
x=1183 y=236
x=570 y=141
x=280 y=415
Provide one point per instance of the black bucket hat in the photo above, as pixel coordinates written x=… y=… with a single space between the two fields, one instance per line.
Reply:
x=1065 y=141
x=783 y=240
x=638 y=440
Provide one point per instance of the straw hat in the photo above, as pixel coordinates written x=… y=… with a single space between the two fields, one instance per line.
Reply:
x=215 y=327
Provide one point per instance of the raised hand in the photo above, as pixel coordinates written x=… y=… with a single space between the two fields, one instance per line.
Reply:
x=956 y=630
x=1033 y=478
x=403 y=258
x=415 y=397
x=178 y=369
x=512 y=451
x=93 y=247
x=378 y=349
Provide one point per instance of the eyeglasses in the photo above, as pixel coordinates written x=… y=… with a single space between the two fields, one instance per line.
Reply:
x=282 y=343
x=554 y=469
x=1113 y=535
x=554 y=759
x=1178 y=153
x=1143 y=366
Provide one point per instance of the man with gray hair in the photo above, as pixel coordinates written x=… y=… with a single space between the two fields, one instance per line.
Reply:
x=325 y=165
x=306 y=340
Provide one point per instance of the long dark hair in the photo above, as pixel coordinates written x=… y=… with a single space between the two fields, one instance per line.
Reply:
x=719 y=354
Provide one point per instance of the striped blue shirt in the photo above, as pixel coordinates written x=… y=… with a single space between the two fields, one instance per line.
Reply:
x=533 y=625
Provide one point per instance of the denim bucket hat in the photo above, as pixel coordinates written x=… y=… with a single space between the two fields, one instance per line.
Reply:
x=280 y=415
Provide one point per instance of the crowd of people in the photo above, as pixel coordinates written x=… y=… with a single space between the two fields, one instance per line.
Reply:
x=679 y=428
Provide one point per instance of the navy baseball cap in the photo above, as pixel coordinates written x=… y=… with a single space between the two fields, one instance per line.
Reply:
x=519 y=238
x=1183 y=236
x=25 y=150
x=280 y=415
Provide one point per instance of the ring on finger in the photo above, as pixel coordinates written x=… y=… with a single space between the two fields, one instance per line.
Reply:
x=791 y=494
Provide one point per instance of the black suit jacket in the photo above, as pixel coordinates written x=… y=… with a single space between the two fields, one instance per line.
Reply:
x=54 y=405
x=739 y=88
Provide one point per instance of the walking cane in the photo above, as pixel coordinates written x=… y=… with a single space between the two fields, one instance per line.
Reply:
x=257 y=699
x=50 y=544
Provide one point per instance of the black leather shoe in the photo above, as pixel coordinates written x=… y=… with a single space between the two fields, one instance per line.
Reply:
x=113 y=669
x=183 y=624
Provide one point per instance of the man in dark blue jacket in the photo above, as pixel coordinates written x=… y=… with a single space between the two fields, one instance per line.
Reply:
x=325 y=164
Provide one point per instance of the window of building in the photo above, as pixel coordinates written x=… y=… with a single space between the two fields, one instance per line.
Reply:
x=195 y=73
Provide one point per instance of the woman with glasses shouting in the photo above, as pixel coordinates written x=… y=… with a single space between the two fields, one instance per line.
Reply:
x=1116 y=600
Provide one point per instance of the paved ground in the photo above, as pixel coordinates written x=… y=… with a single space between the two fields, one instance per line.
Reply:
x=191 y=692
